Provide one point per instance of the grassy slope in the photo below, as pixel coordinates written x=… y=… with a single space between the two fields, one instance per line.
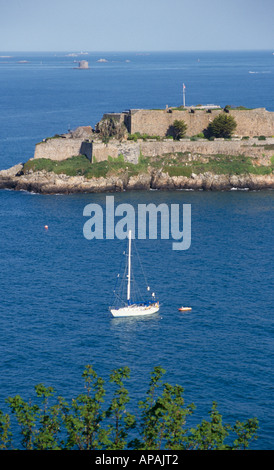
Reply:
x=173 y=164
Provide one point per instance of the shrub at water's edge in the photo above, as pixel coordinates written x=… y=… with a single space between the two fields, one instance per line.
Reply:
x=90 y=422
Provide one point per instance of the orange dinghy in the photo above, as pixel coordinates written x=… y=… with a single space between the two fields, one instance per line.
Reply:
x=184 y=309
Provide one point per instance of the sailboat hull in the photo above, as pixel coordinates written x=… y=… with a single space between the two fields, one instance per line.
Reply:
x=134 y=311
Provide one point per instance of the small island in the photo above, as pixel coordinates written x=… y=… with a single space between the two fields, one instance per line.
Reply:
x=198 y=148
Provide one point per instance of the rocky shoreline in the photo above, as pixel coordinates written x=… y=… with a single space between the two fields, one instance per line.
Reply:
x=50 y=183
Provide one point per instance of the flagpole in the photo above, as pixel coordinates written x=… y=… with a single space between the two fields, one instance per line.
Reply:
x=184 y=95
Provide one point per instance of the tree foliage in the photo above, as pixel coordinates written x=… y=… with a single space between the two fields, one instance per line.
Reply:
x=88 y=423
x=222 y=126
x=179 y=129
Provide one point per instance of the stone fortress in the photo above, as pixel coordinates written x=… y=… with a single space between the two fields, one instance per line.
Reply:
x=109 y=138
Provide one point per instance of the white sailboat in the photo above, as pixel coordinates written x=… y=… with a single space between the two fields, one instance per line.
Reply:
x=130 y=308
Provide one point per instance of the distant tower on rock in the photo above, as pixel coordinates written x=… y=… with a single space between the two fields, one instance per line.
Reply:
x=83 y=64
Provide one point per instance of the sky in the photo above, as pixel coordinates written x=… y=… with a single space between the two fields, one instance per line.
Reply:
x=140 y=25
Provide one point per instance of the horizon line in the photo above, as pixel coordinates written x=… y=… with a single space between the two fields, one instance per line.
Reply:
x=137 y=50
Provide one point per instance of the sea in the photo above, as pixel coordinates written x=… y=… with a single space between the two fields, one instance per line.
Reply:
x=56 y=285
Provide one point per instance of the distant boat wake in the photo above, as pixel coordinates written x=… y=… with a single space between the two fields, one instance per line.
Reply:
x=267 y=71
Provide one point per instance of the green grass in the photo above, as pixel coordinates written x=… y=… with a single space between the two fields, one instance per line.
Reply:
x=81 y=166
x=144 y=137
x=179 y=108
x=174 y=164
x=178 y=165
x=74 y=166
x=178 y=170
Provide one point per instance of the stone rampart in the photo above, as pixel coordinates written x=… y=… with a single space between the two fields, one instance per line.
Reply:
x=224 y=147
x=61 y=148
x=250 y=123
x=84 y=141
x=130 y=150
x=160 y=122
x=254 y=122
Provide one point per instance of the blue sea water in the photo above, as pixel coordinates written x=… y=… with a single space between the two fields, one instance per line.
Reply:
x=56 y=285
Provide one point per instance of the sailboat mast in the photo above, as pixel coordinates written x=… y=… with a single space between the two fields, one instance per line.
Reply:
x=129 y=266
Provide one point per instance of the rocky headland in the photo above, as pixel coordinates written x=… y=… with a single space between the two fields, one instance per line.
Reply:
x=118 y=156
x=50 y=183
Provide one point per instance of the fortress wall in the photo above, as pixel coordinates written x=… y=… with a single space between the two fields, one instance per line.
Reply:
x=157 y=122
x=100 y=151
x=62 y=148
x=152 y=149
x=254 y=122
x=130 y=150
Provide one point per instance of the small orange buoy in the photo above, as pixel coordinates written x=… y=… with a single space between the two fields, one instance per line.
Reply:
x=46 y=227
